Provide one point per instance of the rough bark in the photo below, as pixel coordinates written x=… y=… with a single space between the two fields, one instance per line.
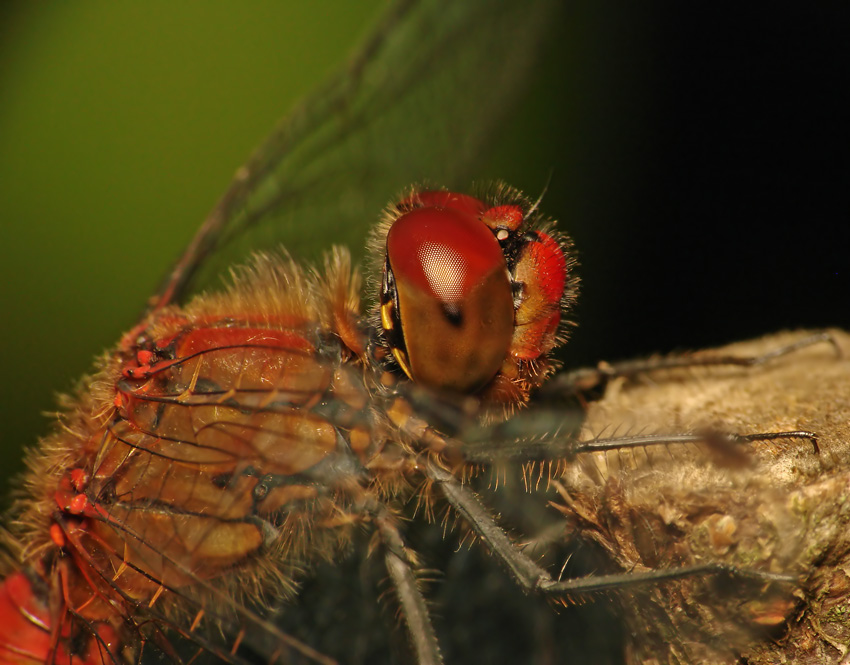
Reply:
x=783 y=508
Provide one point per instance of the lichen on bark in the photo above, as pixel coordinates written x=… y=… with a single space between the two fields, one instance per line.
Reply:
x=784 y=508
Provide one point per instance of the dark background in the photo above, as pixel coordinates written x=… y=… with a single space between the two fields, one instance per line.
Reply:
x=698 y=154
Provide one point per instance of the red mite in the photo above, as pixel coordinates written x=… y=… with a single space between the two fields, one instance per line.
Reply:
x=226 y=444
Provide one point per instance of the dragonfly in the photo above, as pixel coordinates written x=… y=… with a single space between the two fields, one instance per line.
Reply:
x=258 y=193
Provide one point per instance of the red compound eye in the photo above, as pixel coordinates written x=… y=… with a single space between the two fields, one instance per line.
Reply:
x=453 y=292
x=542 y=269
x=442 y=250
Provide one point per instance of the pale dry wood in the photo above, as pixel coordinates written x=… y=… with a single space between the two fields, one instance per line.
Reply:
x=784 y=509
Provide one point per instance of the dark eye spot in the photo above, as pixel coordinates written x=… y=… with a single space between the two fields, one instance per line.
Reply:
x=453 y=314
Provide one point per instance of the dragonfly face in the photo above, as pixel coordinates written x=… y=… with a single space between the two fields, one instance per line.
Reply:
x=445 y=293
x=472 y=293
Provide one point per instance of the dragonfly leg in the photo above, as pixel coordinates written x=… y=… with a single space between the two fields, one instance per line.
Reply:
x=543 y=448
x=533 y=578
x=400 y=566
x=718 y=439
x=588 y=379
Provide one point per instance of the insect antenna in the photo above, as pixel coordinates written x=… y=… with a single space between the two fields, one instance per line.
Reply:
x=536 y=205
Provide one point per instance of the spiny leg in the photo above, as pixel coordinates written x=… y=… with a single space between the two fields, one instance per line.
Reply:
x=483 y=451
x=533 y=578
x=413 y=606
x=592 y=378
x=541 y=433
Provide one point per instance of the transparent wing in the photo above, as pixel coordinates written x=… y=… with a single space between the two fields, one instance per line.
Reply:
x=417 y=102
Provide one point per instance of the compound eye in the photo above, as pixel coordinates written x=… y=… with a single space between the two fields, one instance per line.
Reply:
x=454 y=297
x=541 y=268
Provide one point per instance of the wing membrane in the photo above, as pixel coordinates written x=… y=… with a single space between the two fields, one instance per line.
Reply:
x=417 y=102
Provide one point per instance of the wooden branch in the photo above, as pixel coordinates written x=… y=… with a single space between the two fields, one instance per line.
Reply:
x=780 y=508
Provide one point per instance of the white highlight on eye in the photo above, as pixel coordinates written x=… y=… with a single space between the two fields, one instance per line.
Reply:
x=444 y=269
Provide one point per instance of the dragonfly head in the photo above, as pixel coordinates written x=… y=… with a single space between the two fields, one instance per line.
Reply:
x=473 y=292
